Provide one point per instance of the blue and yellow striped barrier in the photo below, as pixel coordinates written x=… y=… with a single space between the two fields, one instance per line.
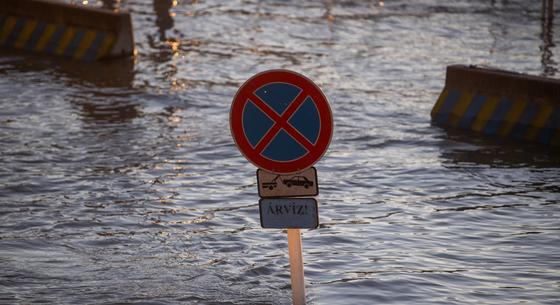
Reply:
x=500 y=103
x=68 y=41
x=64 y=30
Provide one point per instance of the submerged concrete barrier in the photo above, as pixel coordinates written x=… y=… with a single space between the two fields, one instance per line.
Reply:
x=62 y=29
x=497 y=102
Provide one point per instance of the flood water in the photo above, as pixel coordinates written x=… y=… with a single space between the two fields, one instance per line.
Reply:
x=120 y=182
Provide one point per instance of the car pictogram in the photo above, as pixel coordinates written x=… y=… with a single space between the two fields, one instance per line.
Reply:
x=298 y=181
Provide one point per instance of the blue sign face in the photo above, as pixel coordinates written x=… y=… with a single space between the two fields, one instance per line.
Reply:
x=290 y=131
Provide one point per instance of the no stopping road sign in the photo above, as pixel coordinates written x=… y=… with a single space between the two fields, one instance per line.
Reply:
x=281 y=121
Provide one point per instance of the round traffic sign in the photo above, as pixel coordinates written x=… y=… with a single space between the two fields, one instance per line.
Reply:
x=281 y=121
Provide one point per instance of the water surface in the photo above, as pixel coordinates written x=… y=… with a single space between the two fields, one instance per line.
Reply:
x=120 y=183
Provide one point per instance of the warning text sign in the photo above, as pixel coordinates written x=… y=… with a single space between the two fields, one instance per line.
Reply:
x=290 y=213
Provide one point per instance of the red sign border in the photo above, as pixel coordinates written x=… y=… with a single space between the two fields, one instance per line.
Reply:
x=312 y=90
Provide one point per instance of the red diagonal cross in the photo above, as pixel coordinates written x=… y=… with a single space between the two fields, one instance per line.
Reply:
x=281 y=122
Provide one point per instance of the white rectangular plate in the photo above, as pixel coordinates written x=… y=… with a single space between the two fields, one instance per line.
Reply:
x=289 y=213
x=295 y=185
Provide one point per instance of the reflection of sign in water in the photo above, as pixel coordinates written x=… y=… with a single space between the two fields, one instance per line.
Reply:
x=300 y=184
x=292 y=213
x=281 y=121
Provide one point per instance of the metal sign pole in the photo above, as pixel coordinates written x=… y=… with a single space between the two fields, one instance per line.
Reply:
x=296 y=267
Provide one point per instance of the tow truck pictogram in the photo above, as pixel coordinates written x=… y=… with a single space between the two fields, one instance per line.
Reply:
x=271 y=184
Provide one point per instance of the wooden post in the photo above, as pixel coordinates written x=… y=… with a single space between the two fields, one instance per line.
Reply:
x=296 y=267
